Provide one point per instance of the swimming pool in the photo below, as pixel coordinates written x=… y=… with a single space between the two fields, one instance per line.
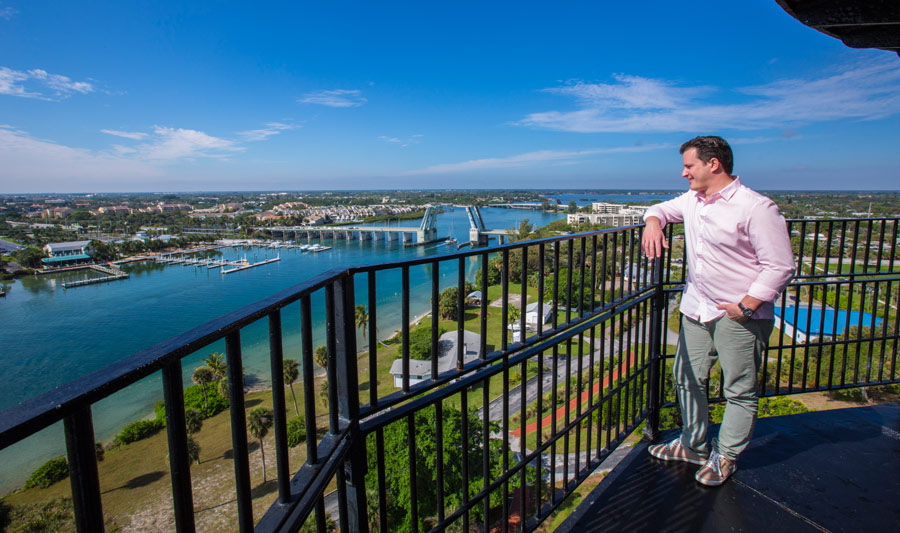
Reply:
x=835 y=321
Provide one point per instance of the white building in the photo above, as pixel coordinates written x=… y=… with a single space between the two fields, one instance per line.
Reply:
x=420 y=371
x=615 y=220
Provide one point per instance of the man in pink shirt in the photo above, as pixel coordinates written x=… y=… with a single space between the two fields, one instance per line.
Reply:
x=739 y=260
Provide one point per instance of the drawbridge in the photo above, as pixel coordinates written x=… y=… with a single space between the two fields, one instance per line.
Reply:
x=479 y=235
x=425 y=233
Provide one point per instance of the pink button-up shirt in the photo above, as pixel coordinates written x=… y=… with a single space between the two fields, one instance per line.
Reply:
x=737 y=245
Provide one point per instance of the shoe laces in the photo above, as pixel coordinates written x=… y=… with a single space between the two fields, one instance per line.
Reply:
x=714 y=462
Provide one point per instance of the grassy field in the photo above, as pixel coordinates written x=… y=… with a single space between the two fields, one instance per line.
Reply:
x=135 y=482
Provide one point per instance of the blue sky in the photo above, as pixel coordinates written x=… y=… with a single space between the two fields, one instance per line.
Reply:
x=148 y=96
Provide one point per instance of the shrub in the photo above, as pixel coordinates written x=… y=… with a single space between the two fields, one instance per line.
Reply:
x=193 y=399
x=160 y=411
x=420 y=341
x=296 y=431
x=138 y=430
x=54 y=470
x=52 y=515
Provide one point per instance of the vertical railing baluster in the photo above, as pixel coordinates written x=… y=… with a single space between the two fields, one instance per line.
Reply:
x=373 y=341
x=593 y=273
x=523 y=389
x=439 y=445
x=504 y=323
x=590 y=398
x=578 y=387
x=83 y=476
x=435 y=316
x=309 y=399
x=331 y=366
x=540 y=291
x=382 y=482
x=581 y=263
x=413 y=495
x=404 y=326
x=276 y=359
x=464 y=430
x=569 y=264
x=603 y=271
x=239 y=430
x=179 y=459
x=657 y=323
x=351 y=478
x=523 y=302
x=504 y=302
x=460 y=313
x=483 y=309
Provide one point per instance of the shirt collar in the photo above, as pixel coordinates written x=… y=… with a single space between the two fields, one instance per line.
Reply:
x=725 y=193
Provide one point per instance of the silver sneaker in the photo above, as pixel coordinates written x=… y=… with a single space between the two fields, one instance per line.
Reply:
x=674 y=450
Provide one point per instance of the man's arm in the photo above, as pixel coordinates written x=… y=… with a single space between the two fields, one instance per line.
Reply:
x=656 y=218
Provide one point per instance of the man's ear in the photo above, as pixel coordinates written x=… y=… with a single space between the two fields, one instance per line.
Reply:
x=714 y=164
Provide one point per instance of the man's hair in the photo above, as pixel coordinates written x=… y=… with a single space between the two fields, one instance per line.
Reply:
x=710 y=147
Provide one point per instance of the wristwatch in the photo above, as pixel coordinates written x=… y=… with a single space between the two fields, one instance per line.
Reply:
x=748 y=313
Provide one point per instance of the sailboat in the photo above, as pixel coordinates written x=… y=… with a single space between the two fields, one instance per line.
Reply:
x=452 y=238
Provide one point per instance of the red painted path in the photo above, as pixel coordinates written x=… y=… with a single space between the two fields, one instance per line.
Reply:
x=573 y=403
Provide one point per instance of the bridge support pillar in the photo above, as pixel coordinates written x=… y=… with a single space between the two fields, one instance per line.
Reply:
x=476 y=238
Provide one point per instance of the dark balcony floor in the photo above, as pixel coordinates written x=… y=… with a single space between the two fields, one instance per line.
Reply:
x=822 y=471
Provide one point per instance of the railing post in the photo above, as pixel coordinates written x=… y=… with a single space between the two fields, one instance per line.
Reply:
x=85 y=481
x=179 y=460
x=348 y=403
x=657 y=307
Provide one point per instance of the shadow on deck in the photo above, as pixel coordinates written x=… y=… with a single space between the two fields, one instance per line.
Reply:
x=822 y=471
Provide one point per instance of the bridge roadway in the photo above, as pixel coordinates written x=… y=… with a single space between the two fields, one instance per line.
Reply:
x=410 y=236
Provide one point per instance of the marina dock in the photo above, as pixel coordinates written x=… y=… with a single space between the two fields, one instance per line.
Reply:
x=251 y=265
x=112 y=274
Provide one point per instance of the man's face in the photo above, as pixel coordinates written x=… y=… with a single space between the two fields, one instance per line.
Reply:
x=699 y=174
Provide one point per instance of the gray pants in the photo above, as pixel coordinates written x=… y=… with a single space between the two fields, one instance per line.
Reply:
x=739 y=348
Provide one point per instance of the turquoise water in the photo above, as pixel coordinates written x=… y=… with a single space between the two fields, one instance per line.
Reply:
x=582 y=199
x=834 y=321
x=52 y=335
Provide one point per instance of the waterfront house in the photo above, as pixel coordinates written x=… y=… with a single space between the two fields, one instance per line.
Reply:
x=66 y=253
x=420 y=371
x=532 y=315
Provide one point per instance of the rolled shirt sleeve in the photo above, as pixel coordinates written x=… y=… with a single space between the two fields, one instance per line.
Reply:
x=768 y=235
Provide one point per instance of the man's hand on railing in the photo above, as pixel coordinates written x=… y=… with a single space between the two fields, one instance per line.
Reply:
x=653 y=240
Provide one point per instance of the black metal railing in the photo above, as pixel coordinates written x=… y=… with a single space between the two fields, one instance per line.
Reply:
x=495 y=434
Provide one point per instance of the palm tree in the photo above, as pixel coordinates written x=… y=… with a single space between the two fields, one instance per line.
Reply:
x=193 y=421
x=291 y=373
x=513 y=313
x=216 y=362
x=321 y=356
x=223 y=387
x=362 y=318
x=201 y=376
x=259 y=421
x=193 y=449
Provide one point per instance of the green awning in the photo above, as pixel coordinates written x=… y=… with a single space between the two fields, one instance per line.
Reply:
x=64 y=258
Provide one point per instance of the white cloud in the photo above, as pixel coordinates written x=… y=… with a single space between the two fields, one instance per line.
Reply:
x=13 y=83
x=136 y=135
x=179 y=143
x=864 y=91
x=413 y=139
x=529 y=159
x=272 y=128
x=7 y=13
x=31 y=164
x=335 y=98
